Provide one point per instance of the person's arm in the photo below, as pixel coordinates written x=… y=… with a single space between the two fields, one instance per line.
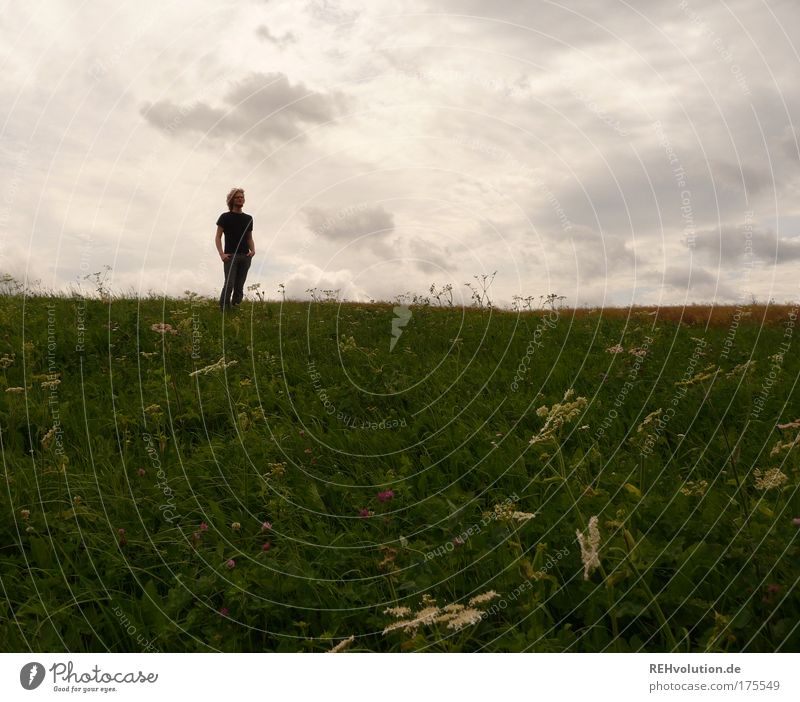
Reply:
x=218 y=242
x=251 y=245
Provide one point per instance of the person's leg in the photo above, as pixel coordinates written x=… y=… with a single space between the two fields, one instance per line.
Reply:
x=242 y=266
x=227 y=287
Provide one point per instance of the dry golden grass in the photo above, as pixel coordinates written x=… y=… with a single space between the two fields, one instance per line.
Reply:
x=696 y=315
x=690 y=315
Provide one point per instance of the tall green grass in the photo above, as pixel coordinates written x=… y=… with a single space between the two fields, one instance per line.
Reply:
x=385 y=476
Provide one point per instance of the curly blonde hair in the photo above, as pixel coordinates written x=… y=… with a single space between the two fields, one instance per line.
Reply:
x=229 y=197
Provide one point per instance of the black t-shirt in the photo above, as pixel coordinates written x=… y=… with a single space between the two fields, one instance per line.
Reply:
x=238 y=227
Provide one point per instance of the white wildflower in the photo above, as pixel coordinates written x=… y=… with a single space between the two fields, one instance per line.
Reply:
x=342 y=645
x=219 y=365
x=648 y=420
x=456 y=616
x=450 y=612
x=507 y=512
x=785 y=445
x=48 y=437
x=522 y=516
x=347 y=344
x=705 y=374
x=398 y=611
x=692 y=488
x=741 y=368
x=773 y=478
x=483 y=597
x=465 y=618
x=589 y=546
x=425 y=616
x=558 y=415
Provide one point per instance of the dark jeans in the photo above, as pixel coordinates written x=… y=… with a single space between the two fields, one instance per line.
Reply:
x=235 y=269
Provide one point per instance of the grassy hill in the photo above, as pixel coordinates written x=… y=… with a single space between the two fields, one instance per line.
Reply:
x=299 y=473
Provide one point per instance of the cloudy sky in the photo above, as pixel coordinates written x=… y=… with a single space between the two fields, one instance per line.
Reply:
x=611 y=152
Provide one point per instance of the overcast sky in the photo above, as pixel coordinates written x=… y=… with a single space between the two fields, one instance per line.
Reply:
x=611 y=152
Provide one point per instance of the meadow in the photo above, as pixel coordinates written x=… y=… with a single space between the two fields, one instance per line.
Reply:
x=408 y=476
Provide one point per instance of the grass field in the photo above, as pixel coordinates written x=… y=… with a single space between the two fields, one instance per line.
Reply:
x=285 y=479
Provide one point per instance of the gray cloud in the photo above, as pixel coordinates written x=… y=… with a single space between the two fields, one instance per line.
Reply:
x=331 y=12
x=696 y=282
x=430 y=257
x=552 y=25
x=689 y=278
x=789 y=143
x=349 y=224
x=264 y=106
x=599 y=255
x=731 y=245
x=741 y=177
x=263 y=32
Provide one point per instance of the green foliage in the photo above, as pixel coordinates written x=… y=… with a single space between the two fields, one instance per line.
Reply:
x=388 y=474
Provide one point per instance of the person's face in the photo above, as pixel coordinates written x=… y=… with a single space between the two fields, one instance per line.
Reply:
x=238 y=199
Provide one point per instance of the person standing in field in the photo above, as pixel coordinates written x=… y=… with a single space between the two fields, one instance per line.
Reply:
x=238 y=251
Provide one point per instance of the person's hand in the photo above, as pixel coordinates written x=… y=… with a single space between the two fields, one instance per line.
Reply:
x=251 y=253
x=225 y=256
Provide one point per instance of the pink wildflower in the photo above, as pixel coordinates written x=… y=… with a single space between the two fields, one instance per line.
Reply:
x=789 y=425
x=266 y=526
x=224 y=611
x=615 y=349
x=230 y=564
x=796 y=521
x=386 y=495
x=162 y=328
x=364 y=512
x=141 y=472
x=772 y=591
x=267 y=546
x=203 y=526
